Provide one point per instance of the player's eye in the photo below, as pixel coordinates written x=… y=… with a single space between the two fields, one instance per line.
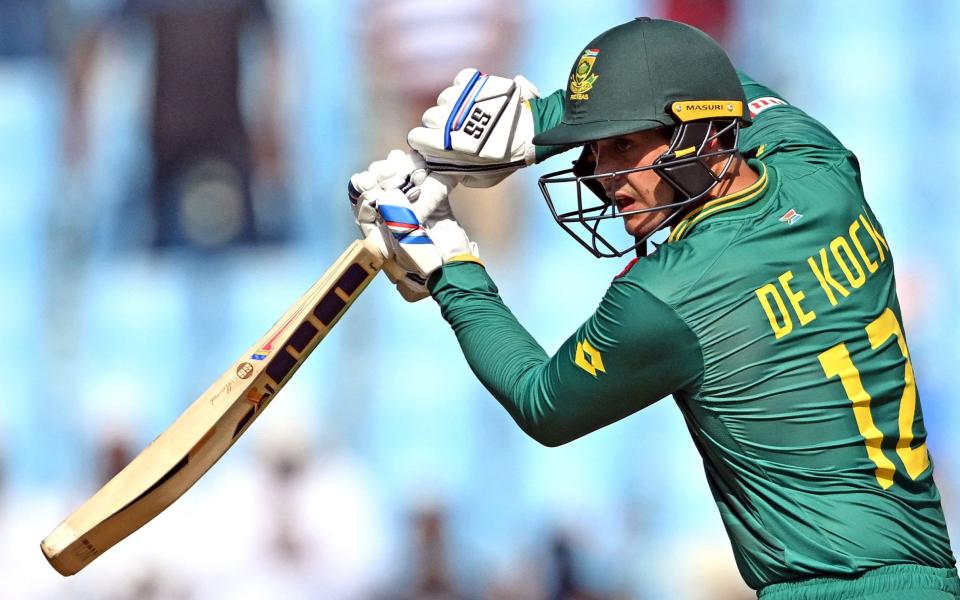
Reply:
x=622 y=145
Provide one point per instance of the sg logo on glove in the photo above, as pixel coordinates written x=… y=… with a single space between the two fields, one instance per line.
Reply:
x=477 y=123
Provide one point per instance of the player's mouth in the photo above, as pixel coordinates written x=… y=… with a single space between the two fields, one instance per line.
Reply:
x=624 y=203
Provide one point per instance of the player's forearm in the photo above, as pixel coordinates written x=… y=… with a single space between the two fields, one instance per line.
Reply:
x=501 y=353
x=512 y=366
x=631 y=352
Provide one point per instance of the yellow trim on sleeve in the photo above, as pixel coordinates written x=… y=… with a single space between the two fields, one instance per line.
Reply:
x=464 y=258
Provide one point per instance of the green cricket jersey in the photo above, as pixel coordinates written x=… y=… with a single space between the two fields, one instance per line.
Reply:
x=771 y=316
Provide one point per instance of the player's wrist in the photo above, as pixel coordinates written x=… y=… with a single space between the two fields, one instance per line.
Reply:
x=460 y=276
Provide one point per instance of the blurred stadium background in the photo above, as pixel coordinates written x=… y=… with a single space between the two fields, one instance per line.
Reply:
x=140 y=258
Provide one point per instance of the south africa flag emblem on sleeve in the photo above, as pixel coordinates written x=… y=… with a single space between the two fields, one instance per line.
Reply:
x=790 y=217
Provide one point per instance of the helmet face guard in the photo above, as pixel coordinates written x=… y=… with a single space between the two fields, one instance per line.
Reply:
x=684 y=166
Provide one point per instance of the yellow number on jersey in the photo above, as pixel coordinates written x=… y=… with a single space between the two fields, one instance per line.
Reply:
x=836 y=362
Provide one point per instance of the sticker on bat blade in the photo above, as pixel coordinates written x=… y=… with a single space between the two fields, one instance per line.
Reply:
x=244 y=370
x=268 y=346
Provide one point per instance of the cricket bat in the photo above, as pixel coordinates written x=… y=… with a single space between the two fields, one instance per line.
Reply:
x=179 y=456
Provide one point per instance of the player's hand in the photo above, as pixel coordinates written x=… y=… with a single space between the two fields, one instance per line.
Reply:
x=481 y=129
x=406 y=173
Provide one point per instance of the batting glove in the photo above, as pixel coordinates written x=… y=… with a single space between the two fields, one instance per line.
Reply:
x=419 y=248
x=481 y=129
x=405 y=174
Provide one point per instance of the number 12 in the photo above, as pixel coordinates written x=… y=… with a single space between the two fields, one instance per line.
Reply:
x=836 y=362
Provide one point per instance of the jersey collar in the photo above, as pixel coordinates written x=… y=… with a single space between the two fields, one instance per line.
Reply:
x=738 y=199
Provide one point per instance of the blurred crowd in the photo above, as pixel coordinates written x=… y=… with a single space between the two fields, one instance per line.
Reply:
x=172 y=176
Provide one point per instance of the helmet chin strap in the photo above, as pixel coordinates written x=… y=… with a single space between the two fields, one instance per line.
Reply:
x=641 y=247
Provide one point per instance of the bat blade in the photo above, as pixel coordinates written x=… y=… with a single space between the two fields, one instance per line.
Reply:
x=181 y=454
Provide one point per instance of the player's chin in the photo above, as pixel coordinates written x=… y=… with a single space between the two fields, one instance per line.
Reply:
x=641 y=225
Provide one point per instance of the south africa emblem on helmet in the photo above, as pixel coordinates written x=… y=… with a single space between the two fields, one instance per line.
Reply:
x=583 y=76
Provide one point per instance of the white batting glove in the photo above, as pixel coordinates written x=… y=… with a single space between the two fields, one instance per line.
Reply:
x=417 y=248
x=481 y=129
x=403 y=173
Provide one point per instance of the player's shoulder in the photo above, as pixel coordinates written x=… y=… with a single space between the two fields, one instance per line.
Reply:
x=795 y=161
x=785 y=135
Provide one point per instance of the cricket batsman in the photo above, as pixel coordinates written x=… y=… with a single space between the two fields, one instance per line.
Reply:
x=770 y=312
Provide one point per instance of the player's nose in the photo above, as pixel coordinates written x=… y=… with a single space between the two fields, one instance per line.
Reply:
x=611 y=185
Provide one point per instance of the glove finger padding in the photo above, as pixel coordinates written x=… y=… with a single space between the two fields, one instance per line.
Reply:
x=362 y=190
x=464 y=75
x=528 y=91
x=432 y=203
x=401 y=170
x=434 y=120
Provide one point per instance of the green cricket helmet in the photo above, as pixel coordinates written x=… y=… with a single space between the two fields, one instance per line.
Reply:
x=642 y=75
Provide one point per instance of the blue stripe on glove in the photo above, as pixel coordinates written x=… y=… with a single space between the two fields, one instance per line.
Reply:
x=398 y=214
x=403 y=224
x=453 y=121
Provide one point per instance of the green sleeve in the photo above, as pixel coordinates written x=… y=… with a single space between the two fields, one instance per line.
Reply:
x=631 y=352
x=779 y=127
x=547 y=113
